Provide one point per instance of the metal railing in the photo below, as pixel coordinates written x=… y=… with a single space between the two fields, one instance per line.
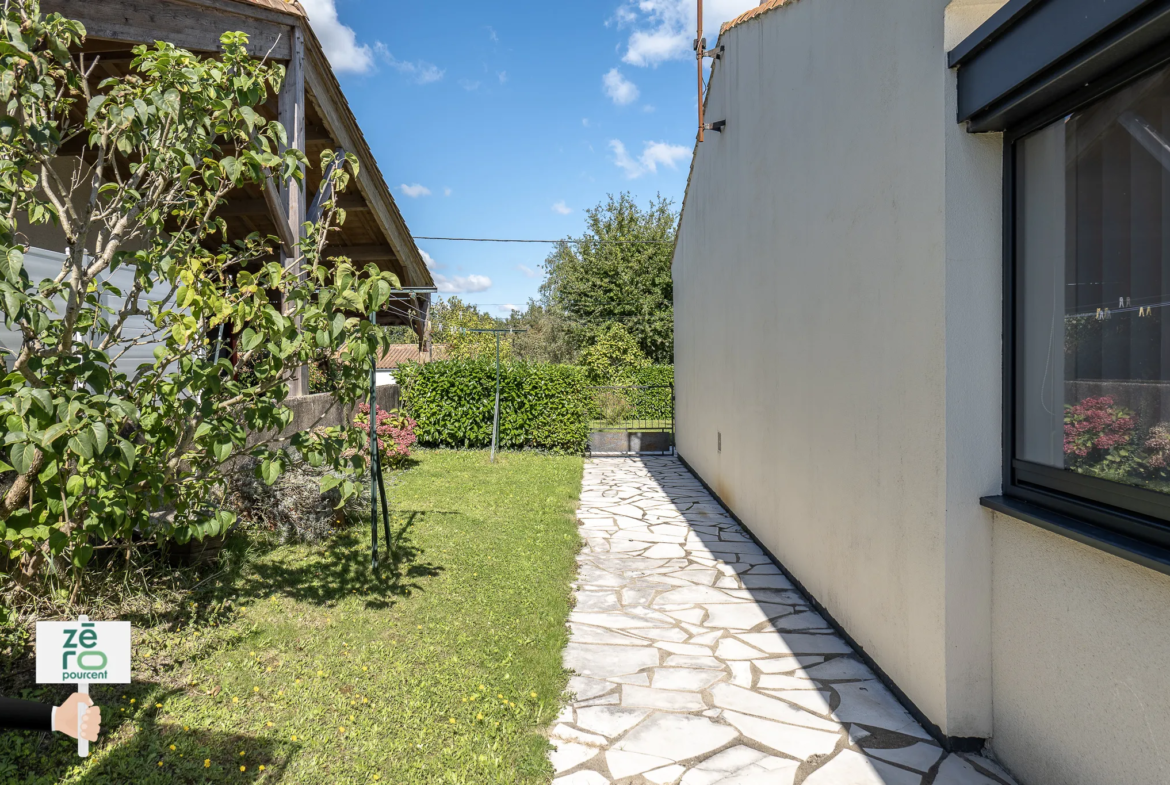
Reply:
x=630 y=408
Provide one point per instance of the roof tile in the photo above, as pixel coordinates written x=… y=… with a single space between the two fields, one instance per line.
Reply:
x=762 y=8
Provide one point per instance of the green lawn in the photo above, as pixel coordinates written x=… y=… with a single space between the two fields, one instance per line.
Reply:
x=301 y=667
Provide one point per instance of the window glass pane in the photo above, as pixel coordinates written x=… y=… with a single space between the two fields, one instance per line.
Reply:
x=1093 y=289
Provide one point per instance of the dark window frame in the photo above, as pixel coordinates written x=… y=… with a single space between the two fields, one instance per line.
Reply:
x=1129 y=521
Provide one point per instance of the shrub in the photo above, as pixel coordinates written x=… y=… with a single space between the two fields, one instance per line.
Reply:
x=395 y=431
x=1096 y=432
x=615 y=358
x=102 y=455
x=541 y=406
x=656 y=403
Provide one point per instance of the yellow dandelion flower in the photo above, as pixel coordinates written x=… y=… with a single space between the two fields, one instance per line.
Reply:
x=420 y=626
x=251 y=654
x=261 y=768
x=268 y=669
x=341 y=729
x=365 y=668
x=160 y=763
x=482 y=688
x=320 y=673
x=298 y=681
x=294 y=738
x=280 y=693
x=241 y=753
x=533 y=694
x=207 y=763
x=132 y=700
x=452 y=720
x=243 y=768
x=235 y=700
x=500 y=696
x=186 y=727
x=465 y=700
x=158 y=705
x=365 y=700
x=257 y=689
x=268 y=724
x=172 y=748
x=479 y=716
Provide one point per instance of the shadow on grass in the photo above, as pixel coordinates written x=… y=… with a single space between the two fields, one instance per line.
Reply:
x=131 y=748
x=341 y=567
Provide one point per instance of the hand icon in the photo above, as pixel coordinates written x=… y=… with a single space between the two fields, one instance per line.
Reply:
x=65 y=719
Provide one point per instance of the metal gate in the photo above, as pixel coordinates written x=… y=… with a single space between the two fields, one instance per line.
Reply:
x=632 y=420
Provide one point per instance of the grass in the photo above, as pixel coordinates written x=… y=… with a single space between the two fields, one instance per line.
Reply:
x=298 y=665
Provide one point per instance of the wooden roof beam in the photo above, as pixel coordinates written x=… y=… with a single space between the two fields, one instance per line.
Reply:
x=194 y=27
x=242 y=207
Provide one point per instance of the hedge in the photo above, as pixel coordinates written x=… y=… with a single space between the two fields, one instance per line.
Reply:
x=656 y=404
x=542 y=406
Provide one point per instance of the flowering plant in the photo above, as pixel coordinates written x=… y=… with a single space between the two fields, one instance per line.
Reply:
x=395 y=432
x=1096 y=431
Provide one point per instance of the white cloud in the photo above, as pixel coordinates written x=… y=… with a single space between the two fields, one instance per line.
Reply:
x=468 y=85
x=503 y=77
x=420 y=72
x=527 y=271
x=430 y=261
x=338 y=41
x=492 y=35
x=653 y=155
x=618 y=88
x=447 y=192
x=665 y=29
x=561 y=208
x=585 y=121
x=462 y=284
x=509 y=308
x=414 y=191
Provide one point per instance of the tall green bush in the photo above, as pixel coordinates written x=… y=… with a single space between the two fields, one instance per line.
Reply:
x=656 y=403
x=541 y=406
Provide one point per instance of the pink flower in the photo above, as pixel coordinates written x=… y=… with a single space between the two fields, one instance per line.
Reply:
x=395 y=432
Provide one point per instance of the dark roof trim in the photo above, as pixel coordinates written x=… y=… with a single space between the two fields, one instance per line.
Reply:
x=989 y=31
x=1032 y=53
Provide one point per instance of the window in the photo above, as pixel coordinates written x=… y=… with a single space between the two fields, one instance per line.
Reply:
x=1091 y=320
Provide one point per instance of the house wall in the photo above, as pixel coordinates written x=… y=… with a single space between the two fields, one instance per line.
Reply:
x=838 y=321
x=1081 y=640
x=820 y=288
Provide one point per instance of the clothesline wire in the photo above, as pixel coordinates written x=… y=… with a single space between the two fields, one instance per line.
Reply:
x=567 y=241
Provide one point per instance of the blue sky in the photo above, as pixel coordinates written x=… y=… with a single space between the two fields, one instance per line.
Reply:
x=508 y=119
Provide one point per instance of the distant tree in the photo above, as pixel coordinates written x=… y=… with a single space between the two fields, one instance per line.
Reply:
x=594 y=284
x=452 y=318
x=615 y=357
x=549 y=338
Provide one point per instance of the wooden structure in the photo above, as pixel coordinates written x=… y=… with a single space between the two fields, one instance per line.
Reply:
x=313 y=110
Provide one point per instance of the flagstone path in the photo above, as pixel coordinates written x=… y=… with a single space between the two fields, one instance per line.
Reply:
x=698 y=662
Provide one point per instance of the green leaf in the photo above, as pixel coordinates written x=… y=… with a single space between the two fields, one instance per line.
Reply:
x=21 y=456
x=129 y=452
x=221 y=451
x=15 y=263
x=81 y=555
x=270 y=471
x=74 y=485
x=82 y=444
x=52 y=433
x=101 y=437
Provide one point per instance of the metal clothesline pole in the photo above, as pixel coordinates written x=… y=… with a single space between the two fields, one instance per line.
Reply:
x=496 y=417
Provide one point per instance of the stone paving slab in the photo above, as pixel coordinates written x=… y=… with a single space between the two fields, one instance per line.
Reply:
x=698 y=663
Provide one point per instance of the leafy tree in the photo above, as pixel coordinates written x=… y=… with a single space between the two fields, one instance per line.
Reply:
x=549 y=337
x=614 y=358
x=452 y=318
x=594 y=284
x=97 y=451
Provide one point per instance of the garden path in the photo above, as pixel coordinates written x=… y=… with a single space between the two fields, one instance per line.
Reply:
x=699 y=663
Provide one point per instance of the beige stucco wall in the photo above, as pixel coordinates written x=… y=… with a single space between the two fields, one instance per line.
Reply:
x=1081 y=647
x=837 y=321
